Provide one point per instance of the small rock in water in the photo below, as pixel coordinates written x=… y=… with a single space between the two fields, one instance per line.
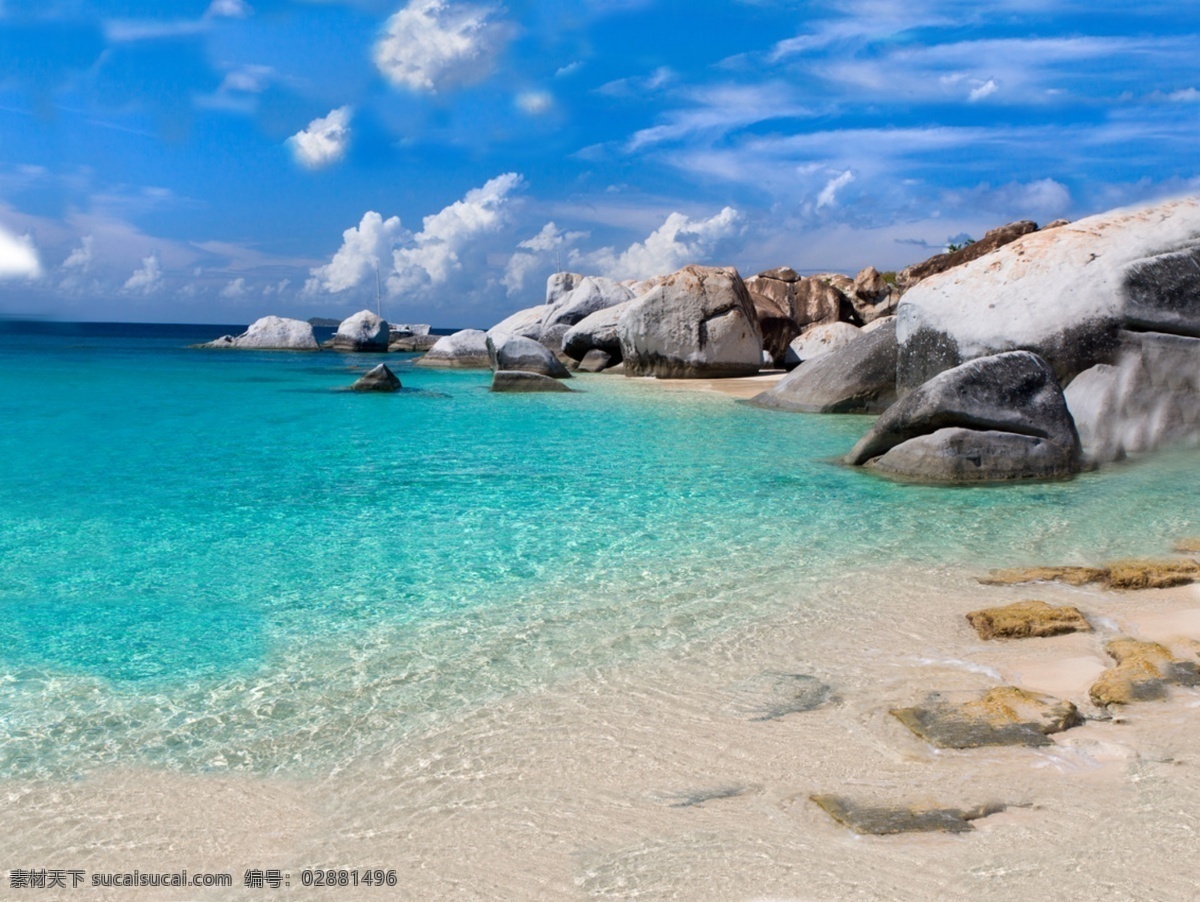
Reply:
x=380 y=378
x=1143 y=672
x=1188 y=546
x=882 y=820
x=700 y=796
x=770 y=695
x=1117 y=575
x=522 y=381
x=1005 y=715
x=1026 y=619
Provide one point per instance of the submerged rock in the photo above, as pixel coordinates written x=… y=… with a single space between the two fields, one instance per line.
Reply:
x=1025 y=619
x=772 y=695
x=1188 y=546
x=1143 y=672
x=466 y=349
x=379 y=379
x=1005 y=715
x=364 y=331
x=524 y=381
x=270 y=333
x=1117 y=575
x=700 y=796
x=699 y=323
x=883 y=820
x=857 y=378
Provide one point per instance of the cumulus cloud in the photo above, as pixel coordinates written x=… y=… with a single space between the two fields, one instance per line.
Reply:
x=535 y=103
x=430 y=45
x=987 y=89
x=678 y=241
x=81 y=257
x=147 y=278
x=276 y=288
x=364 y=248
x=229 y=9
x=324 y=141
x=235 y=288
x=828 y=195
x=18 y=257
x=534 y=252
x=433 y=254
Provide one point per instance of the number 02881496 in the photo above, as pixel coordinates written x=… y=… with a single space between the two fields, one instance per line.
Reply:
x=344 y=877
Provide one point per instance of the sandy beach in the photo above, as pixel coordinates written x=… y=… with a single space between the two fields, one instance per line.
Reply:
x=661 y=780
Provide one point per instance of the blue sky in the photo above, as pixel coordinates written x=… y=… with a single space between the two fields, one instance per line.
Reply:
x=216 y=161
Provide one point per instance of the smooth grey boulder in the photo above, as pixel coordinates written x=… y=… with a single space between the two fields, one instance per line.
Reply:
x=364 y=331
x=1063 y=293
x=515 y=352
x=559 y=285
x=991 y=419
x=271 y=333
x=596 y=332
x=594 y=361
x=378 y=379
x=1147 y=398
x=698 y=323
x=590 y=295
x=527 y=323
x=859 y=377
x=411 y=343
x=524 y=381
x=817 y=341
x=466 y=349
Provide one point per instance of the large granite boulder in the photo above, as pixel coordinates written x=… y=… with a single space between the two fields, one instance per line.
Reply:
x=527 y=322
x=364 y=331
x=1062 y=293
x=996 y=238
x=597 y=332
x=995 y=418
x=466 y=349
x=524 y=381
x=271 y=333
x=515 y=352
x=559 y=285
x=816 y=300
x=774 y=305
x=378 y=379
x=698 y=323
x=590 y=295
x=1148 y=397
x=859 y=377
x=817 y=341
x=872 y=296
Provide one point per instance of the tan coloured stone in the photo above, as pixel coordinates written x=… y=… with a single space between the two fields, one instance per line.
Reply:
x=1025 y=619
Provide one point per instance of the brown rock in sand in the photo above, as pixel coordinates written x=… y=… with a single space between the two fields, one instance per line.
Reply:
x=1117 y=575
x=1188 y=546
x=1026 y=619
x=1005 y=715
x=1143 y=672
x=882 y=820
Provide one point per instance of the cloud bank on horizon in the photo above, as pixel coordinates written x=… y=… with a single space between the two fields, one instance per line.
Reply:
x=232 y=158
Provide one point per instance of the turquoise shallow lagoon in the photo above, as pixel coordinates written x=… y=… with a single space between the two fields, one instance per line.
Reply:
x=217 y=561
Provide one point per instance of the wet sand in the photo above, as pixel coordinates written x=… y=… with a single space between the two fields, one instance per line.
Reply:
x=741 y=388
x=661 y=780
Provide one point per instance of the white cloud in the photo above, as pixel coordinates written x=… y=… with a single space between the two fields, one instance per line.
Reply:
x=678 y=241
x=434 y=253
x=828 y=195
x=718 y=109
x=324 y=141
x=430 y=45
x=364 y=248
x=18 y=257
x=535 y=102
x=229 y=9
x=277 y=288
x=1187 y=95
x=568 y=69
x=247 y=79
x=81 y=257
x=534 y=252
x=987 y=89
x=147 y=278
x=236 y=288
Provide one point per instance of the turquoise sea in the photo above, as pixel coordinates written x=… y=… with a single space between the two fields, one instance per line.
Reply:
x=215 y=561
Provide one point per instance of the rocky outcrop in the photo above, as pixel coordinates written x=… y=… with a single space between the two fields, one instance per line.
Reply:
x=872 y=296
x=857 y=378
x=884 y=820
x=1005 y=715
x=817 y=341
x=466 y=349
x=523 y=381
x=362 y=332
x=515 y=352
x=1063 y=293
x=597 y=332
x=1148 y=397
x=816 y=300
x=526 y=323
x=774 y=304
x=408 y=344
x=1143 y=672
x=378 y=379
x=1117 y=575
x=1026 y=619
x=589 y=296
x=699 y=323
x=992 y=419
x=270 y=333
x=996 y=238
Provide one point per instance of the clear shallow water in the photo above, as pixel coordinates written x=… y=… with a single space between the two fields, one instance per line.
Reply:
x=216 y=560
